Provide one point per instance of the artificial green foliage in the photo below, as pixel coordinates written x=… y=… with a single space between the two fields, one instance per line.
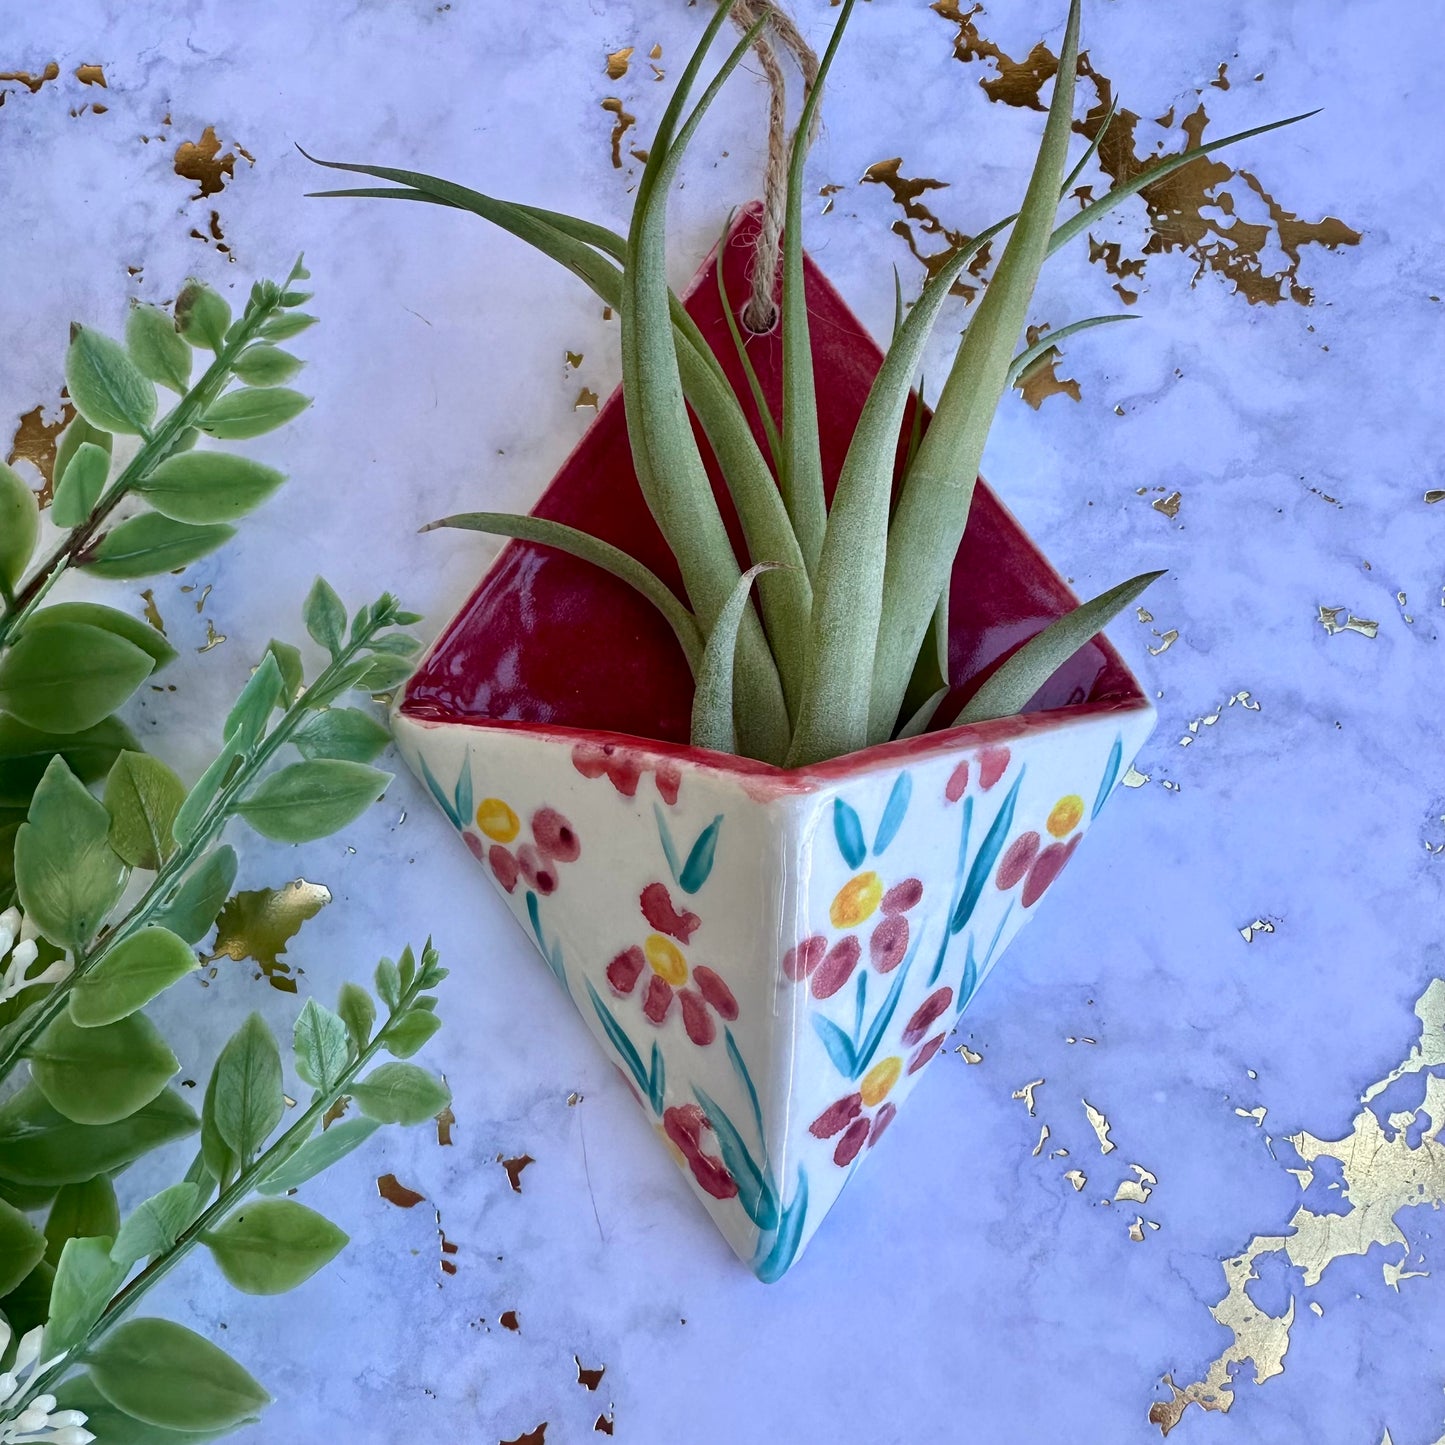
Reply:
x=847 y=644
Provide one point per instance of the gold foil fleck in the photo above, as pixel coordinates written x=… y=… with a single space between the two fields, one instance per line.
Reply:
x=969 y=1056
x=1026 y=1093
x=395 y=1192
x=622 y=120
x=1257 y=1114
x=260 y=923
x=1077 y=1178
x=574 y=359
x=35 y=441
x=206 y=164
x=1143 y=614
x=1363 y=626
x=1168 y=505
x=617 y=62
x=603 y=1425
x=573 y=1099
x=529 y=1437
x=1100 y=1125
x=1395 y=1272
x=1260 y=925
x=213 y=638
x=1435 y=494
x=588 y=1379
x=91 y=75
x=1133 y=778
x=514 y=1168
x=1317 y=1309
x=1166 y=641
x=152 y=612
x=828 y=192
x=446 y=1122
x=508 y=1321
x=32 y=83
x=1043 y=1139
x=1136 y=1230
x=1042 y=380
x=1221 y=81
x=1138 y=1189
x=586 y=397
x=335 y=1112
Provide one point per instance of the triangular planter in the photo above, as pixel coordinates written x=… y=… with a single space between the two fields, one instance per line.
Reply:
x=770 y=956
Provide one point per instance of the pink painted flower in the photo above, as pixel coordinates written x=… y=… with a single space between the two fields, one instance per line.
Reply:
x=957 y=784
x=623 y=767
x=825 y=966
x=658 y=910
x=554 y=837
x=1047 y=866
x=1025 y=861
x=504 y=866
x=1018 y=858
x=860 y=1118
x=992 y=765
x=699 y=989
x=537 y=870
x=475 y=845
x=686 y=1127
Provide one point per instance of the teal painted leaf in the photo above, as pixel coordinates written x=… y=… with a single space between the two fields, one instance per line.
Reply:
x=756 y=1195
x=849 y=833
x=838 y=1044
x=741 y=1070
x=1111 y=776
x=893 y=813
x=790 y=1236
x=700 y=859
x=656 y=1079
x=619 y=1040
x=443 y=802
x=988 y=852
x=970 y=977
x=884 y=1016
x=669 y=849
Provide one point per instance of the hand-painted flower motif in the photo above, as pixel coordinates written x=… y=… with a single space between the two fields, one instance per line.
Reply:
x=924 y=1017
x=1026 y=860
x=860 y=1117
x=992 y=765
x=685 y=1126
x=624 y=767
x=826 y=968
x=553 y=842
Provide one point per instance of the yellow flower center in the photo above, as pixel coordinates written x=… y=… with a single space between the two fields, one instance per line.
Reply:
x=1065 y=817
x=497 y=820
x=856 y=900
x=879 y=1080
x=666 y=959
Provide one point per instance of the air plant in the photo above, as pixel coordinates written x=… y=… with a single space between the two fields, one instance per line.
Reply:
x=847 y=644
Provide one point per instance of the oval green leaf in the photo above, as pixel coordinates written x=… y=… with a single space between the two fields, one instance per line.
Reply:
x=155 y=1224
x=193 y=909
x=85 y=1280
x=106 y=386
x=69 y=675
x=129 y=976
x=93 y=614
x=19 y=525
x=164 y=1374
x=25 y=753
x=342 y=732
x=22 y=1247
x=311 y=800
x=157 y=348
x=266 y=365
x=272 y=1245
x=401 y=1094
x=317 y=1154
x=81 y=1211
x=151 y=543
x=247 y=1096
x=101 y=1075
x=208 y=486
x=143 y=796
x=253 y=411
x=202 y=315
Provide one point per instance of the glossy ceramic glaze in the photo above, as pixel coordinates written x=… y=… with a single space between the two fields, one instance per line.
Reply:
x=771 y=957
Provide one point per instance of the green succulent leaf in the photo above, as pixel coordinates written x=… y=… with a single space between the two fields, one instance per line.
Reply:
x=143 y=796
x=22 y=1247
x=65 y=677
x=325 y=617
x=130 y=975
x=318 y=1154
x=252 y=411
x=79 y=489
x=25 y=753
x=101 y=1075
x=249 y=1101
x=266 y=365
x=282 y=328
x=409 y=1033
x=293 y=673
x=76 y=435
x=357 y=1012
x=202 y=315
x=342 y=732
x=110 y=619
x=155 y=1224
x=81 y=1211
x=19 y=525
x=85 y=1280
x=217 y=1157
x=151 y=543
x=208 y=486
x=41 y=1146
x=271 y=1245
x=245 y=724
x=157 y=348
x=322 y=1050
x=401 y=1094
x=107 y=387
x=114 y=1426
x=163 y=1374
x=192 y=910
x=67 y=874
x=312 y=800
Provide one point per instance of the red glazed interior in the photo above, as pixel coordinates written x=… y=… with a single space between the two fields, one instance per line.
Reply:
x=547 y=640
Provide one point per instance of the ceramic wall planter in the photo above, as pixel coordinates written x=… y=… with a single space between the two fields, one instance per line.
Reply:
x=771 y=957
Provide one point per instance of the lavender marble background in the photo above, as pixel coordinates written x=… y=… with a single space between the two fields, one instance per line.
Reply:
x=962 y=1287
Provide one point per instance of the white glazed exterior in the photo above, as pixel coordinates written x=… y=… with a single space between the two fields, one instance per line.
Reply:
x=778 y=868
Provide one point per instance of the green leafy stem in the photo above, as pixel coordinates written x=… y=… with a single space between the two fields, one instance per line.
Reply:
x=243 y=1104
x=281 y=807
x=111 y=388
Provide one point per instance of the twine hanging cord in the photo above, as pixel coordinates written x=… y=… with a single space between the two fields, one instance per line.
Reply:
x=761 y=312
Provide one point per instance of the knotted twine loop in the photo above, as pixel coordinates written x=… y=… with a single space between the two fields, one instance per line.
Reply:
x=761 y=312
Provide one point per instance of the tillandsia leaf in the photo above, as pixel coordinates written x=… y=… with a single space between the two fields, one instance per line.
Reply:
x=1095 y=210
x=931 y=670
x=849 y=585
x=713 y=702
x=1009 y=688
x=1050 y=339
x=918 y=723
x=933 y=507
x=587 y=548
x=786 y=594
x=802 y=474
x=1088 y=155
x=665 y=454
x=765 y=412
